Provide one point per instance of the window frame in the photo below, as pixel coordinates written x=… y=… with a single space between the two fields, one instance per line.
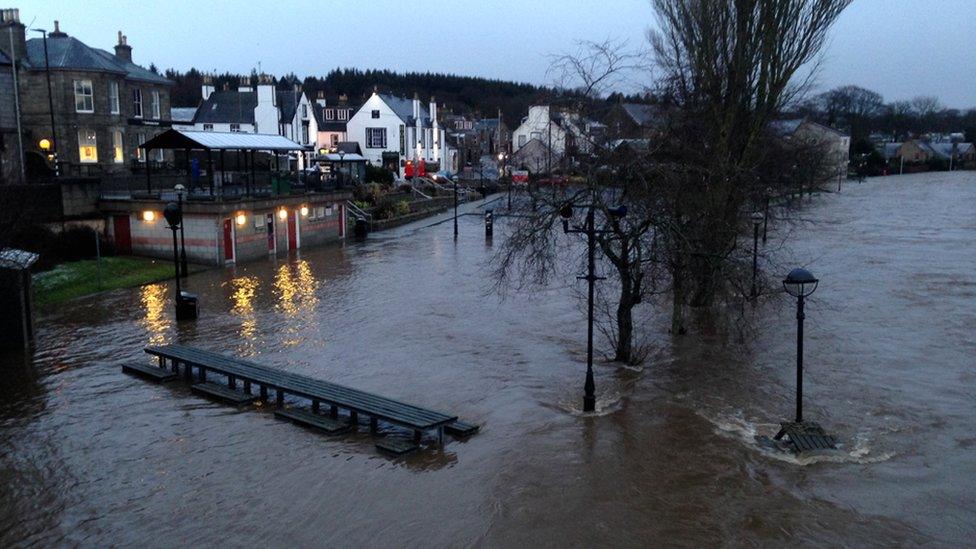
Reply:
x=208 y=127
x=137 y=110
x=90 y=96
x=155 y=110
x=114 y=99
x=343 y=114
x=371 y=134
x=375 y=114
x=84 y=144
x=118 y=147
x=330 y=114
x=235 y=128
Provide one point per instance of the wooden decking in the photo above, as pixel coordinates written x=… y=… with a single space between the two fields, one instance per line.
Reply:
x=242 y=377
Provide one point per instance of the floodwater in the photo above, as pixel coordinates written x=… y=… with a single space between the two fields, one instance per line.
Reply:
x=89 y=456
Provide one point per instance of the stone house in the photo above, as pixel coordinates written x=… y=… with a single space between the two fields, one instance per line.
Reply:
x=9 y=149
x=104 y=104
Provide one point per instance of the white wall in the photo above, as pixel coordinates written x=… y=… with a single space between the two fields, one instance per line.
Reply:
x=362 y=119
x=538 y=122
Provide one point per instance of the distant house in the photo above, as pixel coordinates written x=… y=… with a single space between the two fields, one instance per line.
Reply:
x=331 y=120
x=535 y=156
x=9 y=151
x=104 y=104
x=803 y=130
x=954 y=154
x=393 y=131
x=631 y=121
x=493 y=135
x=264 y=110
x=565 y=133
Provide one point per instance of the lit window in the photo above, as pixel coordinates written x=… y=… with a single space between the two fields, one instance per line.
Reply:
x=84 y=100
x=137 y=103
x=375 y=138
x=113 y=97
x=140 y=153
x=154 y=104
x=87 y=146
x=117 y=145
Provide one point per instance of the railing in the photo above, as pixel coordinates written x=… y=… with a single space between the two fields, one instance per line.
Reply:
x=232 y=185
x=358 y=212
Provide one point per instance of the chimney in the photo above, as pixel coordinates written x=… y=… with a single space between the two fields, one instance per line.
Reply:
x=320 y=98
x=343 y=99
x=10 y=23
x=433 y=111
x=56 y=33
x=245 y=84
x=416 y=106
x=123 y=50
x=266 y=90
x=208 y=87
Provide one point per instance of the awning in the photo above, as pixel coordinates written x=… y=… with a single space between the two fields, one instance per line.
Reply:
x=335 y=157
x=201 y=140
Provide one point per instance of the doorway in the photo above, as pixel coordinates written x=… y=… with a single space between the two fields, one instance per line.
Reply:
x=228 y=240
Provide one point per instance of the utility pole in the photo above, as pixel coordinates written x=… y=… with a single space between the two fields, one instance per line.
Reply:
x=20 y=132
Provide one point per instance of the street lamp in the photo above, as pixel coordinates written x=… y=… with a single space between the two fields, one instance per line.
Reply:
x=590 y=230
x=502 y=157
x=455 y=207
x=186 y=303
x=757 y=217
x=769 y=194
x=180 y=189
x=53 y=145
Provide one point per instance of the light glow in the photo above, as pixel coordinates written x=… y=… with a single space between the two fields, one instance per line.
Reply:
x=282 y=214
x=149 y=215
x=304 y=211
x=45 y=144
x=241 y=219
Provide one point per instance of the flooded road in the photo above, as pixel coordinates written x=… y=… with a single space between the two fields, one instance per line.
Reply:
x=89 y=456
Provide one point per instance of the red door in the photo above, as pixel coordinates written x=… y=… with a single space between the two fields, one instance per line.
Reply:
x=228 y=240
x=292 y=231
x=123 y=235
x=269 y=221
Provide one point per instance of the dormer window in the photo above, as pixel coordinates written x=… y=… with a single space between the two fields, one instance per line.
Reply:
x=329 y=114
x=343 y=114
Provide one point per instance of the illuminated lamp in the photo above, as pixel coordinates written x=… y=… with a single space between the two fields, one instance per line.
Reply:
x=148 y=215
x=304 y=211
x=282 y=214
x=44 y=144
x=241 y=218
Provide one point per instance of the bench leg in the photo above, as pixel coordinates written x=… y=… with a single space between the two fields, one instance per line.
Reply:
x=264 y=393
x=416 y=437
x=440 y=435
x=279 y=397
x=315 y=406
x=162 y=362
x=187 y=371
x=334 y=411
x=247 y=386
x=373 y=425
x=203 y=374
x=353 y=418
x=232 y=383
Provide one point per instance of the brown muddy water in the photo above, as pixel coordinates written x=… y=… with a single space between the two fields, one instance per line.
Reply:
x=92 y=457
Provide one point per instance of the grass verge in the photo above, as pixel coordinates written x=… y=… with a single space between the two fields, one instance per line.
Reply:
x=79 y=278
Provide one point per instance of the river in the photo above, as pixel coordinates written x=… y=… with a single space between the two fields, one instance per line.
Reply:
x=92 y=457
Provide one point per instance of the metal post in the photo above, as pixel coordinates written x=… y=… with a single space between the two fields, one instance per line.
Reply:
x=183 y=269
x=455 y=210
x=589 y=398
x=765 y=218
x=148 y=177
x=176 y=264
x=20 y=132
x=799 y=359
x=755 y=256
x=50 y=103
x=210 y=171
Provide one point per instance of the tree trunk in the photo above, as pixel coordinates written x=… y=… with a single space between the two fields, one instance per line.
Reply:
x=625 y=321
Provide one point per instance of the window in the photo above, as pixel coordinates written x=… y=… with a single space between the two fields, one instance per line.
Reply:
x=521 y=141
x=84 y=99
x=159 y=155
x=87 y=146
x=304 y=111
x=403 y=141
x=140 y=153
x=329 y=114
x=117 y=145
x=137 y=103
x=335 y=140
x=375 y=114
x=208 y=127
x=343 y=114
x=154 y=104
x=113 y=97
x=304 y=133
x=375 y=138
x=233 y=127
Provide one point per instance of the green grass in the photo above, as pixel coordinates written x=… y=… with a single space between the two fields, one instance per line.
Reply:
x=80 y=278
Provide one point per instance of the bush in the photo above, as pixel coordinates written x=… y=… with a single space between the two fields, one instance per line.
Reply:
x=388 y=209
x=378 y=174
x=371 y=193
x=73 y=244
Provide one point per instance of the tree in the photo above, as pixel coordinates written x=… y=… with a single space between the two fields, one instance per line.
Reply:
x=728 y=69
x=853 y=106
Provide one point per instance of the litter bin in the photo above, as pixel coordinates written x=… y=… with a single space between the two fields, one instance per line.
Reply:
x=187 y=306
x=362 y=228
x=489 y=222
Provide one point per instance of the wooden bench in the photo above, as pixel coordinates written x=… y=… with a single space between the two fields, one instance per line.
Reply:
x=319 y=392
x=149 y=372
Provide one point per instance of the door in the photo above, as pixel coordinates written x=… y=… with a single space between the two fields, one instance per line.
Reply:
x=269 y=221
x=123 y=234
x=228 y=240
x=293 y=230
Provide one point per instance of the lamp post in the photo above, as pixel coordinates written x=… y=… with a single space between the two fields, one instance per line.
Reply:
x=769 y=195
x=799 y=284
x=455 y=208
x=501 y=160
x=50 y=104
x=179 y=202
x=186 y=303
x=757 y=217
x=590 y=230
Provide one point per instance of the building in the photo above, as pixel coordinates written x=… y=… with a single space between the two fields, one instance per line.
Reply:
x=631 y=121
x=104 y=104
x=534 y=157
x=397 y=133
x=493 y=135
x=566 y=133
x=10 y=161
x=836 y=143
x=262 y=110
x=331 y=120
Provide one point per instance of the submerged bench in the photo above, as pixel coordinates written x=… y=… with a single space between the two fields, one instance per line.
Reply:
x=319 y=392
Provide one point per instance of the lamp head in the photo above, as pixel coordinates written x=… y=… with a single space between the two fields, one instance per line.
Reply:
x=756 y=217
x=619 y=212
x=44 y=144
x=179 y=188
x=172 y=214
x=800 y=283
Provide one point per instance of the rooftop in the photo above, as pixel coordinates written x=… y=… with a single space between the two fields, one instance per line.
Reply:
x=68 y=53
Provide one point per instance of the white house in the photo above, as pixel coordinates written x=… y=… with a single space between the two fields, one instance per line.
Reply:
x=392 y=131
x=540 y=125
x=331 y=119
x=264 y=111
x=836 y=143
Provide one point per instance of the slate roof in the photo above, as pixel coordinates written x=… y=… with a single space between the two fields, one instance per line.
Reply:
x=403 y=108
x=183 y=114
x=227 y=107
x=486 y=124
x=4 y=60
x=286 y=105
x=67 y=52
x=786 y=127
x=349 y=147
x=642 y=115
x=944 y=150
x=178 y=139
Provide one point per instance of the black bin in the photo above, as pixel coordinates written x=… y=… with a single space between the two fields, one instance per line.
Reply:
x=187 y=306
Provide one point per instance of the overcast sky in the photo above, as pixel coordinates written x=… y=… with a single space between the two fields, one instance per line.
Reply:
x=899 y=48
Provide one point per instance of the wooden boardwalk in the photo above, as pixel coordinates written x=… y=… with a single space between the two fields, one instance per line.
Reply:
x=249 y=375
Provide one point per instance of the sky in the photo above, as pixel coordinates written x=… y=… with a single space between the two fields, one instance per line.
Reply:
x=899 y=48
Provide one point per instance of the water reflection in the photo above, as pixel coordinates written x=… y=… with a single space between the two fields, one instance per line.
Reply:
x=156 y=324
x=245 y=290
x=295 y=286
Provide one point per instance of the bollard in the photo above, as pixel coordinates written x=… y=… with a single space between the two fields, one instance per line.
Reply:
x=489 y=222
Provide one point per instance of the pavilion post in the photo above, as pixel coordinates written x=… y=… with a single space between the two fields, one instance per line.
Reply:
x=252 y=173
x=210 y=172
x=189 y=176
x=148 y=177
x=223 y=172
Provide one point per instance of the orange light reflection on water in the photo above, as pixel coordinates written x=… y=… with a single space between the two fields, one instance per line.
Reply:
x=153 y=299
